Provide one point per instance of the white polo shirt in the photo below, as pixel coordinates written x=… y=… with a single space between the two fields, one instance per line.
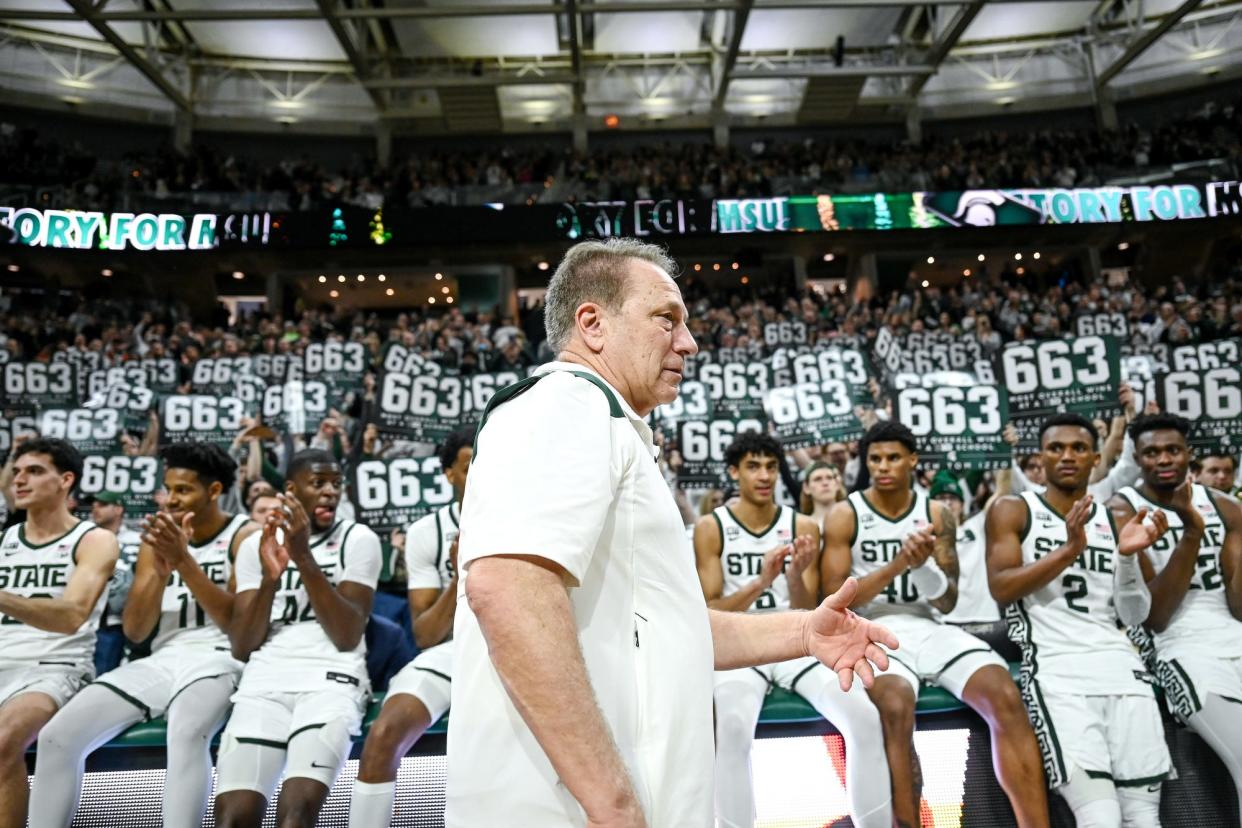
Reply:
x=562 y=473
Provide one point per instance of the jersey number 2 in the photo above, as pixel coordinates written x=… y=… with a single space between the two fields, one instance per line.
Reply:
x=1075 y=587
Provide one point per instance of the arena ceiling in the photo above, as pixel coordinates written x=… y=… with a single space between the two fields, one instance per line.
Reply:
x=433 y=66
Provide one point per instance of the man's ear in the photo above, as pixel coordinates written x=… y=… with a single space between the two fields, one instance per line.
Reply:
x=592 y=325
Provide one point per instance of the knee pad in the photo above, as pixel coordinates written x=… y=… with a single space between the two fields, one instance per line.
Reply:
x=319 y=753
x=1140 y=807
x=1100 y=813
x=246 y=766
x=1093 y=801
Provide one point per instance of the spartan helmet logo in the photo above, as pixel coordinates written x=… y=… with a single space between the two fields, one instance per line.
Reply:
x=978 y=207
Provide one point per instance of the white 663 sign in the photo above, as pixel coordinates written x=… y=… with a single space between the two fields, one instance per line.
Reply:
x=429 y=407
x=1057 y=375
x=1211 y=398
x=957 y=427
x=811 y=413
x=136 y=479
x=392 y=493
x=201 y=418
x=91 y=430
x=295 y=406
x=702 y=446
x=31 y=385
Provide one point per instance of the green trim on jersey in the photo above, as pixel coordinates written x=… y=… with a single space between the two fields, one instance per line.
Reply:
x=1026 y=527
x=21 y=536
x=1051 y=508
x=1190 y=685
x=439 y=539
x=327 y=534
x=452 y=516
x=227 y=523
x=73 y=553
x=962 y=655
x=746 y=529
x=1112 y=522
x=793 y=685
x=854 y=534
x=1141 y=783
x=305 y=728
x=146 y=711
x=720 y=528
x=914 y=501
x=344 y=547
x=523 y=385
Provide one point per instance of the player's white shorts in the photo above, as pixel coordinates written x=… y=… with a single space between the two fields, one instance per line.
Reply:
x=783 y=674
x=936 y=653
x=1120 y=738
x=152 y=683
x=428 y=678
x=307 y=734
x=1187 y=680
x=60 y=681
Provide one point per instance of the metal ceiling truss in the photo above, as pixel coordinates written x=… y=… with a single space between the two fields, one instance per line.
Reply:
x=457 y=10
x=91 y=13
x=353 y=43
x=1143 y=42
x=363 y=29
x=944 y=44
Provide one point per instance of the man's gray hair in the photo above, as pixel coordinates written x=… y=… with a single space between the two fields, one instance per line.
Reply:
x=594 y=271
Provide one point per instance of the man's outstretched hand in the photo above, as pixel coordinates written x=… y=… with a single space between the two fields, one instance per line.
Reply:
x=844 y=641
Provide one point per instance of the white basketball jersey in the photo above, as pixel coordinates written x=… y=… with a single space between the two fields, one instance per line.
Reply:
x=975 y=604
x=742 y=551
x=877 y=540
x=428 y=548
x=298 y=653
x=1202 y=624
x=182 y=618
x=1067 y=630
x=42 y=571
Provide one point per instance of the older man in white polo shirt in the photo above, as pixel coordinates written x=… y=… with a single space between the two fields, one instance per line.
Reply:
x=582 y=692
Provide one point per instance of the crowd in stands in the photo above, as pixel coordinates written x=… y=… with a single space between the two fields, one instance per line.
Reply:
x=992 y=311
x=771 y=166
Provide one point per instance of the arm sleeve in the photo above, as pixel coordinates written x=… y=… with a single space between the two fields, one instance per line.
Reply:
x=1124 y=473
x=247 y=566
x=1131 y=596
x=1019 y=482
x=363 y=557
x=543 y=479
x=421 y=543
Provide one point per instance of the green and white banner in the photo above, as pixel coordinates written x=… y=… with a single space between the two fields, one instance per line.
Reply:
x=31 y=386
x=958 y=428
x=91 y=430
x=812 y=413
x=392 y=494
x=201 y=418
x=137 y=479
x=701 y=447
x=1211 y=398
x=428 y=408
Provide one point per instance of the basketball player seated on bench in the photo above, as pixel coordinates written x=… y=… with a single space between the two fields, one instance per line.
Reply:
x=1068 y=578
x=900 y=545
x=418 y=695
x=1192 y=638
x=754 y=555
x=181 y=605
x=305 y=584
x=54 y=571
